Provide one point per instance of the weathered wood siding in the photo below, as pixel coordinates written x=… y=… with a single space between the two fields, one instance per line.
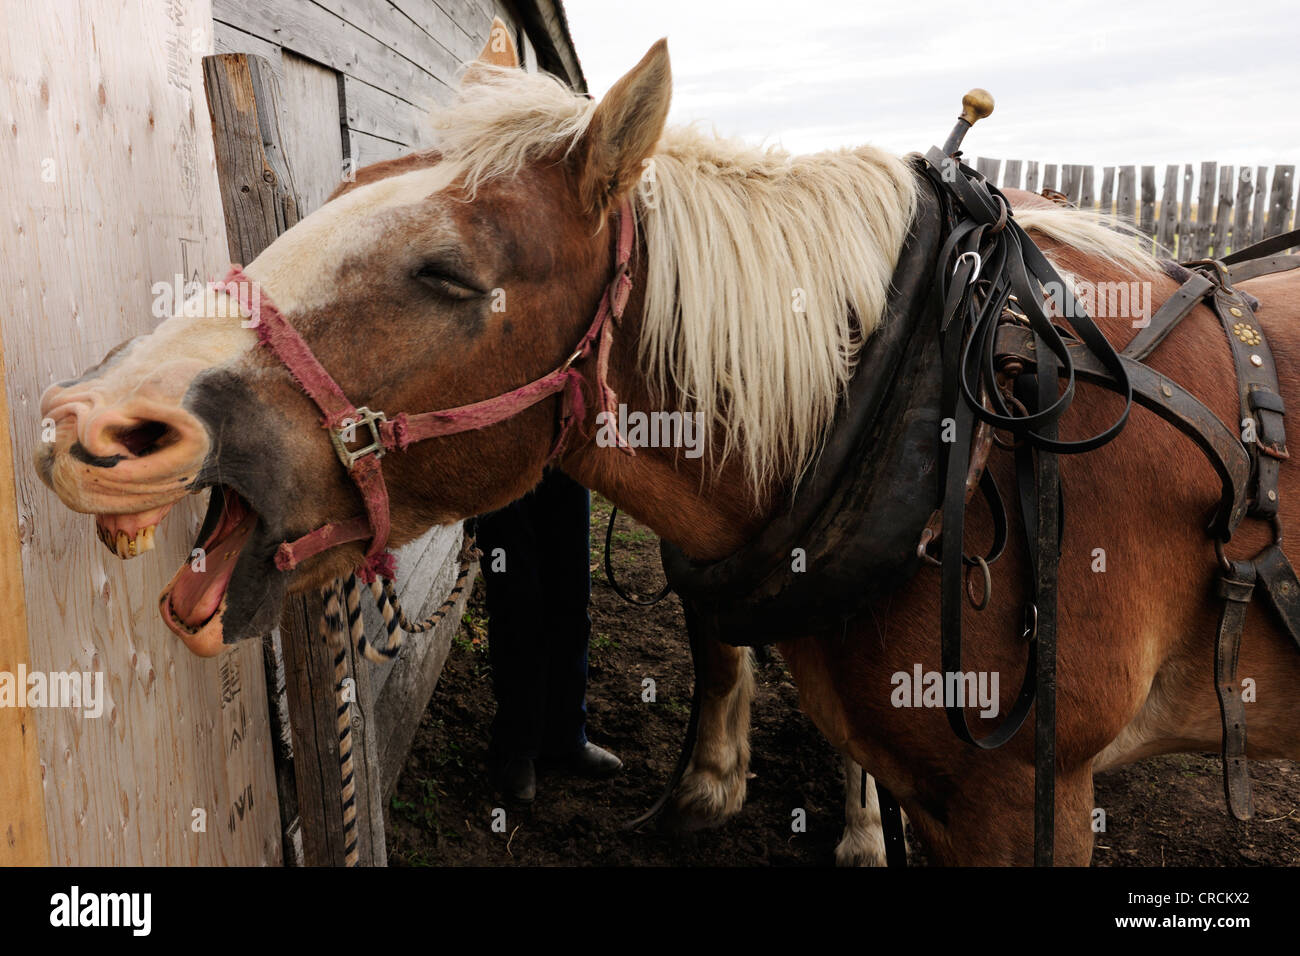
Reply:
x=392 y=59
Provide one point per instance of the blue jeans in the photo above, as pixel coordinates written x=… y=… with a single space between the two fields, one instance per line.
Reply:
x=538 y=625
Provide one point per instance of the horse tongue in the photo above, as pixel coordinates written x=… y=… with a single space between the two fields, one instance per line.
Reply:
x=197 y=594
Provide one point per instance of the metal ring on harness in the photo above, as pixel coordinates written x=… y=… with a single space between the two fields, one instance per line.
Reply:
x=923 y=546
x=1030 y=632
x=1002 y=216
x=1016 y=441
x=983 y=602
x=1225 y=563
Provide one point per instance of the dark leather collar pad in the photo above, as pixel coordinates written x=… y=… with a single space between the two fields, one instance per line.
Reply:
x=859 y=512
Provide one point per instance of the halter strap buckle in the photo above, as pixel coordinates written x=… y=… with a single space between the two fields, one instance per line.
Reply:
x=371 y=420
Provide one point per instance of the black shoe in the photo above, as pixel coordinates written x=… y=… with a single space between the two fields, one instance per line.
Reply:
x=589 y=761
x=516 y=780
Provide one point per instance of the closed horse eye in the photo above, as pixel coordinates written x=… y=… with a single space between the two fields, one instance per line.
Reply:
x=446 y=283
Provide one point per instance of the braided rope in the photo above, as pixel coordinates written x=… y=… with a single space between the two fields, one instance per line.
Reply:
x=393 y=642
x=395 y=619
x=332 y=634
x=343 y=595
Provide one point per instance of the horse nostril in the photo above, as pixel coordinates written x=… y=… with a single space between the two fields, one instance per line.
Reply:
x=144 y=438
x=78 y=451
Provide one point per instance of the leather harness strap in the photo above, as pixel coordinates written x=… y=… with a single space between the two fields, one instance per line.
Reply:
x=1236 y=588
x=987 y=262
x=1167 y=399
x=1262 y=412
x=993 y=351
x=1250 y=269
x=1176 y=308
x=1248 y=464
x=1259 y=393
x=342 y=419
x=891 y=822
x=1281 y=588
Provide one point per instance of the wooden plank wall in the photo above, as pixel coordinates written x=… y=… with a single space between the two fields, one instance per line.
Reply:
x=109 y=186
x=393 y=60
x=1201 y=209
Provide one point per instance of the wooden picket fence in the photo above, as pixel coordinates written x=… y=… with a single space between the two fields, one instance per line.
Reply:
x=1229 y=208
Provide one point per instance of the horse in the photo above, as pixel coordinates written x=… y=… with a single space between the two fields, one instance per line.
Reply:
x=452 y=275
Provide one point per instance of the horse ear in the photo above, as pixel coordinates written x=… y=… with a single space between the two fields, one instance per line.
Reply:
x=498 y=51
x=624 y=129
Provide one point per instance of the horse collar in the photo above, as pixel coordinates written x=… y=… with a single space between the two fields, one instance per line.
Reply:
x=382 y=434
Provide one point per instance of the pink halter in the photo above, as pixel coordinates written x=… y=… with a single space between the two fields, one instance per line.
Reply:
x=276 y=333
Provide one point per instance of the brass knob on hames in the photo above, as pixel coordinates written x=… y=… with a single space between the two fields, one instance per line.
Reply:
x=976 y=105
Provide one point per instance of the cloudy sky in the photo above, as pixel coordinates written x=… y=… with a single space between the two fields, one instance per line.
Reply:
x=1105 y=82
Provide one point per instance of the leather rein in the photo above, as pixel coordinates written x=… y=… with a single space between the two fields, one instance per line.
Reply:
x=341 y=418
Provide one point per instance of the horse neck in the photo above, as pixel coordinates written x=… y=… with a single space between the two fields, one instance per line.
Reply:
x=706 y=511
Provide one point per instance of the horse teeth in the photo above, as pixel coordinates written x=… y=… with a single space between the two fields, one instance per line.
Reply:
x=124 y=545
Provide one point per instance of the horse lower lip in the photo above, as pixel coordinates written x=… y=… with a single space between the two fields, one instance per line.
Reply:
x=205 y=640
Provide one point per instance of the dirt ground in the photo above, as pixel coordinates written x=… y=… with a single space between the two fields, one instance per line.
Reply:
x=1166 y=811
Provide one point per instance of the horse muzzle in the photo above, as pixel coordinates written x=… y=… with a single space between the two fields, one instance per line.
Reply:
x=127 y=460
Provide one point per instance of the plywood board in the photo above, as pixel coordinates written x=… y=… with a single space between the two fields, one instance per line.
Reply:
x=110 y=186
x=22 y=810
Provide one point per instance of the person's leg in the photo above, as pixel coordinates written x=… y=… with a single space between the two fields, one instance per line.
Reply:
x=563 y=512
x=513 y=552
x=564 y=519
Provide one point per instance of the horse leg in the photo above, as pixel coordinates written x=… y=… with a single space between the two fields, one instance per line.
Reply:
x=863 y=842
x=713 y=787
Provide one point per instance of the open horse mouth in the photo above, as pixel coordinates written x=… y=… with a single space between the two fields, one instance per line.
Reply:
x=193 y=603
x=128 y=460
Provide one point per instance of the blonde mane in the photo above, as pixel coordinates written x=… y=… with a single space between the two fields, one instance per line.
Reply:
x=766 y=271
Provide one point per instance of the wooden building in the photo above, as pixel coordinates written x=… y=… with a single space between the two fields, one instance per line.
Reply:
x=358 y=76
x=111 y=186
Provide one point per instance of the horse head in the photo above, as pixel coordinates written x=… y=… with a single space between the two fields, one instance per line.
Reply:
x=436 y=280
